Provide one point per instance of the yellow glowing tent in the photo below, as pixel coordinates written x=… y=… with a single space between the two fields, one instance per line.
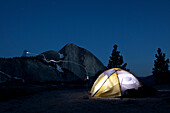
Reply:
x=113 y=83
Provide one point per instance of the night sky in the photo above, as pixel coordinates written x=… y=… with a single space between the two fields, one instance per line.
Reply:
x=138 y=27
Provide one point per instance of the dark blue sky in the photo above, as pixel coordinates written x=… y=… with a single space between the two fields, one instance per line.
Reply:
x=138 y=27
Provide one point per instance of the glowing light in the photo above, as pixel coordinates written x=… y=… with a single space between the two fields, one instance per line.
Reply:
x=27 y=52
x=87 y=77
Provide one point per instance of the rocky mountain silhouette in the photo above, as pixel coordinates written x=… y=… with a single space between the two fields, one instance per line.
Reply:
x=71 y=63
x=82 y=62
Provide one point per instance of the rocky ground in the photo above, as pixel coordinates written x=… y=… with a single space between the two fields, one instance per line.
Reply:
x=78 y=101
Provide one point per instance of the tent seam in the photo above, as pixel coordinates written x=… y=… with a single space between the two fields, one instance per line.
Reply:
x=103 y=83
x=119 y=83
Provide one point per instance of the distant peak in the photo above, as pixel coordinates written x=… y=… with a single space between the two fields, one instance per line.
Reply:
x=70 y=44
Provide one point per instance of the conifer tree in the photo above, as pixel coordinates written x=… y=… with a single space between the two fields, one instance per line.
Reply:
x=160 y=66
x=116 y=60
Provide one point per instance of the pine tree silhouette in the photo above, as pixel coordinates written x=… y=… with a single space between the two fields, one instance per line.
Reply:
x=116 y=60
x=160 y=67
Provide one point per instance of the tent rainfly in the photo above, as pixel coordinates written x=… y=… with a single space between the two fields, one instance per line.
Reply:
x=113 y=83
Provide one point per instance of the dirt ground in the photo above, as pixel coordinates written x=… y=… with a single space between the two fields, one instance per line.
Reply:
x=78 y=101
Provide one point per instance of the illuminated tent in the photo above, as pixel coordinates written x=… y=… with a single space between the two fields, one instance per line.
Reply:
x=113 y=83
